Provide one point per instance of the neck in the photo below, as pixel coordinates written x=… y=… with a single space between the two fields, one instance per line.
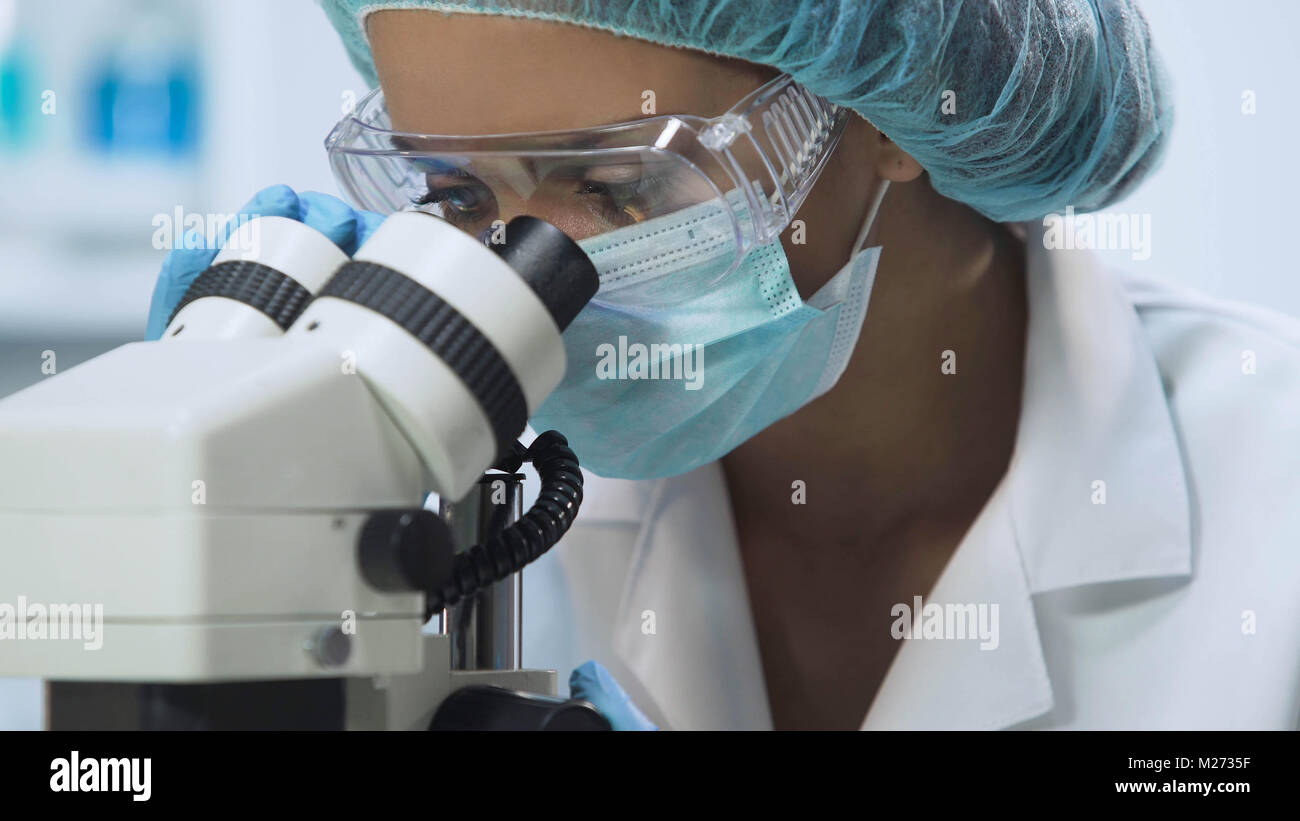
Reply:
x=898 y=441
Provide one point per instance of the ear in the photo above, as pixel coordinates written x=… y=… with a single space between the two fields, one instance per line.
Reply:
x=895 y=164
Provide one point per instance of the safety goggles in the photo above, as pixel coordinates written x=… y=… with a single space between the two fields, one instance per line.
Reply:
x=706 y=190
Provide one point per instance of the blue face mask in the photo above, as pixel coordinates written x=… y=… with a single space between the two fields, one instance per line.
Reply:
x=658 y=392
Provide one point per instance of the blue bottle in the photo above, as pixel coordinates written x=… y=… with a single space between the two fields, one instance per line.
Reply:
x=143 y=94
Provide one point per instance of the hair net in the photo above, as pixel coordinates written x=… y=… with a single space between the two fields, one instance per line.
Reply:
x=1018 y=108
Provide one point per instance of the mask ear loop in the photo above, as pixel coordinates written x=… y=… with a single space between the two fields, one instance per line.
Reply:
x=870 y=221
x=849 y=324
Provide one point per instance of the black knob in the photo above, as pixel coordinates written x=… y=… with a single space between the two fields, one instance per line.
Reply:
x=405 y=550
x=483 y=707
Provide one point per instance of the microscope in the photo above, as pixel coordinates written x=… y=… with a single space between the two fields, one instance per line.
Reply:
x=227 y=528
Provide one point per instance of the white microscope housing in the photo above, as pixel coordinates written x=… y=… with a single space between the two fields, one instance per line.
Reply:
x=208 y=491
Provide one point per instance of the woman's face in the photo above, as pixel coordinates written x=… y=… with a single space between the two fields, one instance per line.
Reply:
x=476 y=74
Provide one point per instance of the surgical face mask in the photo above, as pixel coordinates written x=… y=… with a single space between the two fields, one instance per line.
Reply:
x=658 y=392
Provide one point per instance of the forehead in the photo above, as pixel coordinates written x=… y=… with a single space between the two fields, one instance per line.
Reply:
x=481 y=74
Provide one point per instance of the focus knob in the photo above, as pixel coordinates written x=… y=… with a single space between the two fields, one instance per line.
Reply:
x=402 y=551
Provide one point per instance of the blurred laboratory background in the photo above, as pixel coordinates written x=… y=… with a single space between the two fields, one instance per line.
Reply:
x=115 y=112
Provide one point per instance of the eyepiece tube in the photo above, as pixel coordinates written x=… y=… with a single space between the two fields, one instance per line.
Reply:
x=460 y=343
x=258 y=284
x=554 y=266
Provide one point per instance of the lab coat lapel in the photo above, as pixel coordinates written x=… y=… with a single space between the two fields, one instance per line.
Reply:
x=971 y=683
x=685 y=628
x=1093 y=411
x=1100 y=491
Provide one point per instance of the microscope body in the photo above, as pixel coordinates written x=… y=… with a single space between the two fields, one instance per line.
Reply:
x=198 y=503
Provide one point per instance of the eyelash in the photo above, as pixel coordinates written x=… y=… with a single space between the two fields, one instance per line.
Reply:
x=436 y=195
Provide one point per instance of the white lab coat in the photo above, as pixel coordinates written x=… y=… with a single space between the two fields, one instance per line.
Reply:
x=1174 y=604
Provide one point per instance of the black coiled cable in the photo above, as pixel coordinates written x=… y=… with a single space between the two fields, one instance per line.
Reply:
x=536 y=532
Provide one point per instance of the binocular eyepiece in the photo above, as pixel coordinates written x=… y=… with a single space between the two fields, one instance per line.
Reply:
x=458 y=338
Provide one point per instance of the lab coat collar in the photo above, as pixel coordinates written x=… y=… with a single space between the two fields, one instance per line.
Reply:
x=971 y=683
x=1098 y=488
x=685 y=628
x=1095 y=492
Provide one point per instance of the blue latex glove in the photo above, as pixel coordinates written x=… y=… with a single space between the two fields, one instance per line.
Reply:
x=592 y=682
x=347 y=227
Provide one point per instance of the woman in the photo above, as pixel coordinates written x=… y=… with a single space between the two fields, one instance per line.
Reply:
x=1078 y=471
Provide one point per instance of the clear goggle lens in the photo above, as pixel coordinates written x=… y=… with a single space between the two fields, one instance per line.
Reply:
x=652 y=201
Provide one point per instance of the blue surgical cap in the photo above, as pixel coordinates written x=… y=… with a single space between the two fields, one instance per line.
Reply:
x=1017 y=108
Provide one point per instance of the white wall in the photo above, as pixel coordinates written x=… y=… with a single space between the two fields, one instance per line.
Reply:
x=1222 y=205
x=282 y=76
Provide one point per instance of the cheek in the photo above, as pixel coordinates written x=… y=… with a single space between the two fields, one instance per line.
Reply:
x=806 y=265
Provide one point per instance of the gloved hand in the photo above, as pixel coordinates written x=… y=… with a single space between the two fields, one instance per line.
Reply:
x=592 y=682
x=347 y=227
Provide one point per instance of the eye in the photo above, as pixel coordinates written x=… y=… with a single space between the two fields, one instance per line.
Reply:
x=462 y=200
x=623 y=202
x=590 y=188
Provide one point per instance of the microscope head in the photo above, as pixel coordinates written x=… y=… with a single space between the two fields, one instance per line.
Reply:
x=209 y=490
